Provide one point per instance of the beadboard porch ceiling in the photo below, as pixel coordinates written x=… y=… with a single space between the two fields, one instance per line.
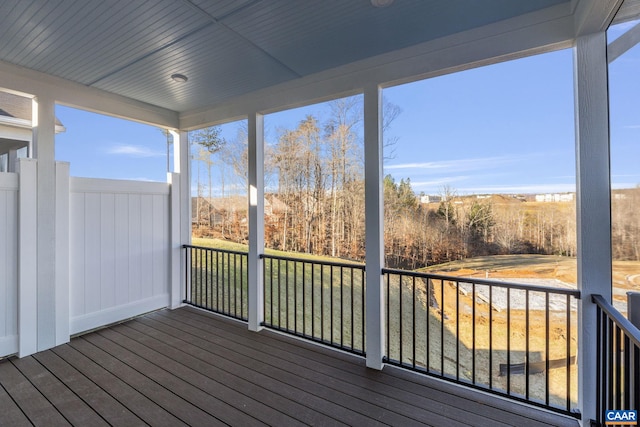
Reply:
x=228 y=48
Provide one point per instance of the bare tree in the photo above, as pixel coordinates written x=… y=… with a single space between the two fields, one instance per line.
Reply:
x=209 y=142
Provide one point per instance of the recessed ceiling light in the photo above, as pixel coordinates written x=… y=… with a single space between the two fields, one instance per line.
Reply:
x=181 y=78
x=381 y=3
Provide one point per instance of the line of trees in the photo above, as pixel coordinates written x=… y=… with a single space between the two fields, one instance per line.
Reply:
x=418 y=235
x=315 y=195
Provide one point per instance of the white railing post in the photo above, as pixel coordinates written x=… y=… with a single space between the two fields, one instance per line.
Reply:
x=633 y=308
x=27 y=258
x=374 y=243
x=175 y=243
x=593 y=204
x=62 y=277
x=256 y=221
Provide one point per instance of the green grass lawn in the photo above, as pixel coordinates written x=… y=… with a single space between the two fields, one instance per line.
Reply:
x=239 y=247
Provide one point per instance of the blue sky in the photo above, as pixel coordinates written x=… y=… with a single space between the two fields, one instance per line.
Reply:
x=98 y=146
x=505 y=128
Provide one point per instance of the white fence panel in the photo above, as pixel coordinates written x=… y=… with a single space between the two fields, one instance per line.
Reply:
x=8 y=264
x=120 y=250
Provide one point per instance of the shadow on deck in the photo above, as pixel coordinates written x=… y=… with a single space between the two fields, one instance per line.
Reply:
x=187 y=367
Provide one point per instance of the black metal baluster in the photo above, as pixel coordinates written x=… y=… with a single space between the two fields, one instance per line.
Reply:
x=568 y=351
x=413 y=319
x=491 y=337
x=527 y=354
x=322 y=302
x=508 y=340
x=400 y=286
x=331 y=303
x=342 y=307
x=473 y=332
x=457 y=331
x=388 y=321
x=442 y=327
x=352 y=310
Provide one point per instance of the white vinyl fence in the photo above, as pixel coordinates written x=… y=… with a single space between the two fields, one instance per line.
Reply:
x=119 y=250
x=8 y=263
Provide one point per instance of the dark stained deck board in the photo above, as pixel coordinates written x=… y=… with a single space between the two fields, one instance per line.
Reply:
x=105 y=405
x=424 y=401
x=188 y=367
x=76 y=411
x=211 y=379
x=11 y=413
x=193 y=398
x=315 y=395
x=34 y=405
x=139 y=406
x=361 y=385
x=340 y=391
x=296 y=402
x=479 y=404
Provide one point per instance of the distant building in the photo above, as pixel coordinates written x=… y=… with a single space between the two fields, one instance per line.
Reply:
x=430 y=199
x=555 y=197
x=217 y=209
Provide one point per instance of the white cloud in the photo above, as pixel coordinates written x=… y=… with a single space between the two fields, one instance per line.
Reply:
x=438 y=183
x=519 y=189
x=135 y=151
x=458 y=165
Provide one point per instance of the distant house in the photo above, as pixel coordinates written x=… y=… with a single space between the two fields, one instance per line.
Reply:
x=556 y=197
x=430 y=199
x=222 y=207
x=15 y=129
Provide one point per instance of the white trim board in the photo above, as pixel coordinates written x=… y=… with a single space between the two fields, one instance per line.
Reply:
x=98 y=185
x=65 y=92
x=8 y=345
x=106 y=317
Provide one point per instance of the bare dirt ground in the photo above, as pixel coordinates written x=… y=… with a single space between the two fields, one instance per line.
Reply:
x=545 y=270
x=542 y=270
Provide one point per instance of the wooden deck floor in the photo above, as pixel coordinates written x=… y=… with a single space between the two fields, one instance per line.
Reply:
x=186 y=367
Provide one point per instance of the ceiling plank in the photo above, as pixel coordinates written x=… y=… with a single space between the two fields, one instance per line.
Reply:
x=240 y=36
x=483 y=46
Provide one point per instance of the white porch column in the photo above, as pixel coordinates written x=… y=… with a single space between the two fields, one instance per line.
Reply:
x=593 y=204
x=44 y=152
x=180 y=215
x=12 y=159
x=374 y=243
x=256 y=221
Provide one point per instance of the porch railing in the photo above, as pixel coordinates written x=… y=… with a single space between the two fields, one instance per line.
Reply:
x=510 y=339
x=514 y=340
x=216 y=280
x=618 y=361
x=319 y=301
